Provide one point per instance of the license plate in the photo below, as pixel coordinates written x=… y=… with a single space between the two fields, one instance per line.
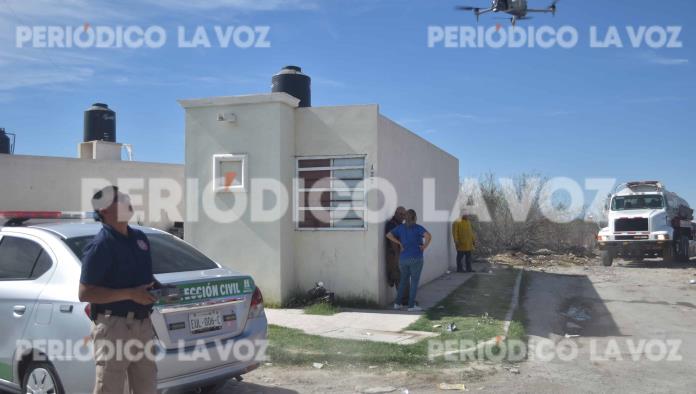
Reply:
x=205 y=321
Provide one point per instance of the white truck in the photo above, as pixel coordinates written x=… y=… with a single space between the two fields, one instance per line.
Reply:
x=647 y=220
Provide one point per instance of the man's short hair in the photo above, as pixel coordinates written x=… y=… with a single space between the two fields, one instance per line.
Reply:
x=103 y=199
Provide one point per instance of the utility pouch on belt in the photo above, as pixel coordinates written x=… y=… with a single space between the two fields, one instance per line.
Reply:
x=93 y=312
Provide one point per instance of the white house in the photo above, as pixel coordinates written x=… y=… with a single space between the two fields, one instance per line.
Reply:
x=330 y=160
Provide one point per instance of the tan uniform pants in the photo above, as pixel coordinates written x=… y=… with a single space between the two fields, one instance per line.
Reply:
x=119 y=352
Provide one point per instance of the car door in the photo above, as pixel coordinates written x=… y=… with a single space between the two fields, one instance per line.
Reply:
x=23 y=263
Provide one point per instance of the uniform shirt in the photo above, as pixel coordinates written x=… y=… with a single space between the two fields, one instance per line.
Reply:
x=411 y=237
x=116 y=261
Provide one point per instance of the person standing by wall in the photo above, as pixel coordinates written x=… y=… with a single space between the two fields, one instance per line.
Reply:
x=393 y=251
x=412 y=239
x=464 y=241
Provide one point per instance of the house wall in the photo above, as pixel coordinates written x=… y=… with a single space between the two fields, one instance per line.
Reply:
x=264 y=130
x=405 y=160
x=345 y=260
x=38 y=183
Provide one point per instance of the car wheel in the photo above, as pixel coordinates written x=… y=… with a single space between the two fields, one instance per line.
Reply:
x=212 y=388
x=41 y=377
x=607 y=258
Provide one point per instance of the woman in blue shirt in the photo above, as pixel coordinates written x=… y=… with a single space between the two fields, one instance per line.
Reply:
x=412 y=239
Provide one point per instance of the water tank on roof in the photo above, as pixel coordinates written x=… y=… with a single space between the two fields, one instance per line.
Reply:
x=5 y=142
x=292 y=81
x=100 y=123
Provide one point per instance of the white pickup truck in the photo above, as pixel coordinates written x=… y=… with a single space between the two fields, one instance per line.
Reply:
x=647 y=220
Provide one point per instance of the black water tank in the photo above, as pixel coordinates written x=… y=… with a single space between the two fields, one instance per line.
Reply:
x=5 y=145
x=292 y=81
x=100 y=123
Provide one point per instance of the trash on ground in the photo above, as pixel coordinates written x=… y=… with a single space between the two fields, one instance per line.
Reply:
x=437 y=325
x=515 y=371
x=571 y=336
x=693 y=281
x=451 y=327
x=577 y=314
x=449 y=386
x=379 y=390
x=319 y=294
x=318 y=365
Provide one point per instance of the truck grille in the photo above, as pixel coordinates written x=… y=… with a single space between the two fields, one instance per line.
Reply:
x=634 y=224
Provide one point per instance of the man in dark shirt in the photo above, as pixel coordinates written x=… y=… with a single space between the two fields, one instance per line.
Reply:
x=393 y=252
x=116 y=277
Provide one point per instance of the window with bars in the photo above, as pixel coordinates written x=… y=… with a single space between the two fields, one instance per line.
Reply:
x=330 y=193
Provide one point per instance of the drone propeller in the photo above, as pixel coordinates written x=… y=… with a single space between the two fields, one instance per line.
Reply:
x=553 y=7
x=476 y=10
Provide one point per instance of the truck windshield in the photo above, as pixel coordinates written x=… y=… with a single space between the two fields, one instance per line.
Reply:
x=627 y=203
x=169 y=254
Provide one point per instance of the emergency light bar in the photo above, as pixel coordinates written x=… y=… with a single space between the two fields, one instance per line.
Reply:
x=15 y=218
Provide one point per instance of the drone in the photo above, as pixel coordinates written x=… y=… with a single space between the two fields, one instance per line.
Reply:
x=517 y=8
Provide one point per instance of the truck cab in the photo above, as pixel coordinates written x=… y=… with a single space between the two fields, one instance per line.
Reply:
x=644 y=219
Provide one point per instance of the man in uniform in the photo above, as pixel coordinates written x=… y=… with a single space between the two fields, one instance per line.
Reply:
x=116 y=279
x=464 y=241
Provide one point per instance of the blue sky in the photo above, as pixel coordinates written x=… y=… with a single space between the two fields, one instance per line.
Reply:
x=622 y=113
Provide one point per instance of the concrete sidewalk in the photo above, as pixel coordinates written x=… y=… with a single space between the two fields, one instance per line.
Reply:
x=372 y=325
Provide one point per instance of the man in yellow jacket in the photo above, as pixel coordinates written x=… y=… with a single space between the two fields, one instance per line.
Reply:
x=465 y=241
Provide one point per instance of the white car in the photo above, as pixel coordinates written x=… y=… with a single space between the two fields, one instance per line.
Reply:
x=39 y=276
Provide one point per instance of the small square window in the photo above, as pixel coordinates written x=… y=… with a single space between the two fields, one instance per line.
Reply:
x=230 y=172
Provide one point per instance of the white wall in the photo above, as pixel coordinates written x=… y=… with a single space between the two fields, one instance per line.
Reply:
x=265 y=132
x=405 y=159
x=35 y=183
x=345 y=260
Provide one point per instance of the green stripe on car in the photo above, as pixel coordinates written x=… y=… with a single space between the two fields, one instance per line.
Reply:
x=189 y=292
x=5 y=372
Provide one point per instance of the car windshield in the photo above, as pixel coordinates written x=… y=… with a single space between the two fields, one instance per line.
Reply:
x=626 y=203
x=169 y=254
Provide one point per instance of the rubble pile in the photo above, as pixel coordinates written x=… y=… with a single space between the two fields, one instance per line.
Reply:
x=542 y=258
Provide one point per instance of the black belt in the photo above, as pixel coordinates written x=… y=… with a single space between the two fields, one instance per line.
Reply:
x=138 y=315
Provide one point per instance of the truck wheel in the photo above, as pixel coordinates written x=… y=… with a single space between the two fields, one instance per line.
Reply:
x=607 y=258
x=669 y=253
x=684 y=250
x=41 y=377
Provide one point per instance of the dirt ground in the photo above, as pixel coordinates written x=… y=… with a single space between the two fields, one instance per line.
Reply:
x=631 y=325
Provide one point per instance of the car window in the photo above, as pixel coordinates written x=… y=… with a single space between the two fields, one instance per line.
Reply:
x=169 y=254
x=22 y=259
x=42 y=265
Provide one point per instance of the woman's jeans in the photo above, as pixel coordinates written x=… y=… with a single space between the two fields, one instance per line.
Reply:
x=410 y=272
